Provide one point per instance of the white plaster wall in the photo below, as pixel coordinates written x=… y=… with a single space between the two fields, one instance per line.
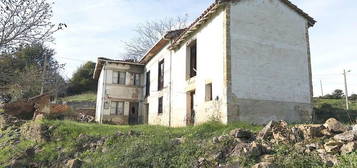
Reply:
x=154 y=118
x=269 y=52
x=209 y=70
x=99 y=106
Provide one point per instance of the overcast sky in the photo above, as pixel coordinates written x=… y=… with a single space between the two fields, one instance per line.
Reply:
x=97 y=28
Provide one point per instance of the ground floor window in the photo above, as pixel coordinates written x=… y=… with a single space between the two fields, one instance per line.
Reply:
x=160 y=111
x=117 y=108
x=208 y=92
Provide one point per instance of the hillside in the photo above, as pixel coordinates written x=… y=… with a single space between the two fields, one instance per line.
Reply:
x=336 y=103
x=57 y=143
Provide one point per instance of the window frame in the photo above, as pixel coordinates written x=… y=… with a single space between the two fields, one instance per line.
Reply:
x=192 y=64
x=147 y=85
x=117 y=112
x=208 y=92
x=161 y=75
x=136 y=81
x=116 y=79
x=160 y=106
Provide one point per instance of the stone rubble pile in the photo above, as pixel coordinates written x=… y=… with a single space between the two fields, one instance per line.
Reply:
x=327 y=140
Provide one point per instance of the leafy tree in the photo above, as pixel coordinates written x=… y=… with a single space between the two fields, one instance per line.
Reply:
x=82 y=80
x=150 y=33
x=336 y=94
x=22 y=72
x=353 y=97
x=25 y=22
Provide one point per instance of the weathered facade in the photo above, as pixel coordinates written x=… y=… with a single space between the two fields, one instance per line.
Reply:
x=243 y=60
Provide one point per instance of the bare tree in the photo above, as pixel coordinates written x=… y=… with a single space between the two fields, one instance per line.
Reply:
x=25 y=22
x=149 y=33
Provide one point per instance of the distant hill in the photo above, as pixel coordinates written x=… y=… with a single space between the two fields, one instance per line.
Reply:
x=336 y=103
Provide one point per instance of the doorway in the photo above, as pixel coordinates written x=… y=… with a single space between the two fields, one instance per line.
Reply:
x=191 y=114
x=133 y=113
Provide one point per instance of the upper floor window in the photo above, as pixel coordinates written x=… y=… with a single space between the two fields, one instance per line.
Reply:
x=161 y=75
x=117 y=108
x=147 y=87
x=192 y=59
x=119 y=77
x=136 y=79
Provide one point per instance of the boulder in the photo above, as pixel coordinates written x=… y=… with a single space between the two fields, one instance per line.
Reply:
x=349 y=148
x=329 y=160
x=264 y=165
x=35 y=131
x=275 y=130
x=241 y=133
x=325 y=132
x=119 y=134
x=354 y=127
x=266 y=158
x=267 y=131
x=223 y=138
x=74 y=163
x=178 y=141
x=311 y=130
x=256 y=149
x=311 y=147
x=335 y=126
x=297 y=134
x=3 y=122
x=332 y=146
x=215 y=140
x=346 y=136
x=7 y=121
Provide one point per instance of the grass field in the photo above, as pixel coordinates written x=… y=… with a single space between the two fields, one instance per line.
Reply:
x=80 y=98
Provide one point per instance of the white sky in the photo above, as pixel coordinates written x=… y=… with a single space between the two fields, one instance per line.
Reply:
x=97 y=28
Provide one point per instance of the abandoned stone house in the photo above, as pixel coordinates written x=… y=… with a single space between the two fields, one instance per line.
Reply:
x=246 y=60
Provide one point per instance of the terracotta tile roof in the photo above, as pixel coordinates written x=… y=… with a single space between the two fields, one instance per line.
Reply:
x=213 y=8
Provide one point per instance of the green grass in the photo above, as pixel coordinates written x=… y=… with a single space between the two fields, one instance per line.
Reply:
x=1 y=110
x=82 y=97
x=152 y=148
x=7 y=151
x=336 y=103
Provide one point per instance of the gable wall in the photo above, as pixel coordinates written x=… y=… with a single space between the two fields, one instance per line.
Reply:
x=270 y=62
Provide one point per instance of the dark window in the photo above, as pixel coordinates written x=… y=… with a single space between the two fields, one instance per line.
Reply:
x=147 y=89
x=119 y=77
x=161 y=75
x=193 y=59
x=160 y=106
x=136 y=79
x=208 y=92
x=117 y=108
